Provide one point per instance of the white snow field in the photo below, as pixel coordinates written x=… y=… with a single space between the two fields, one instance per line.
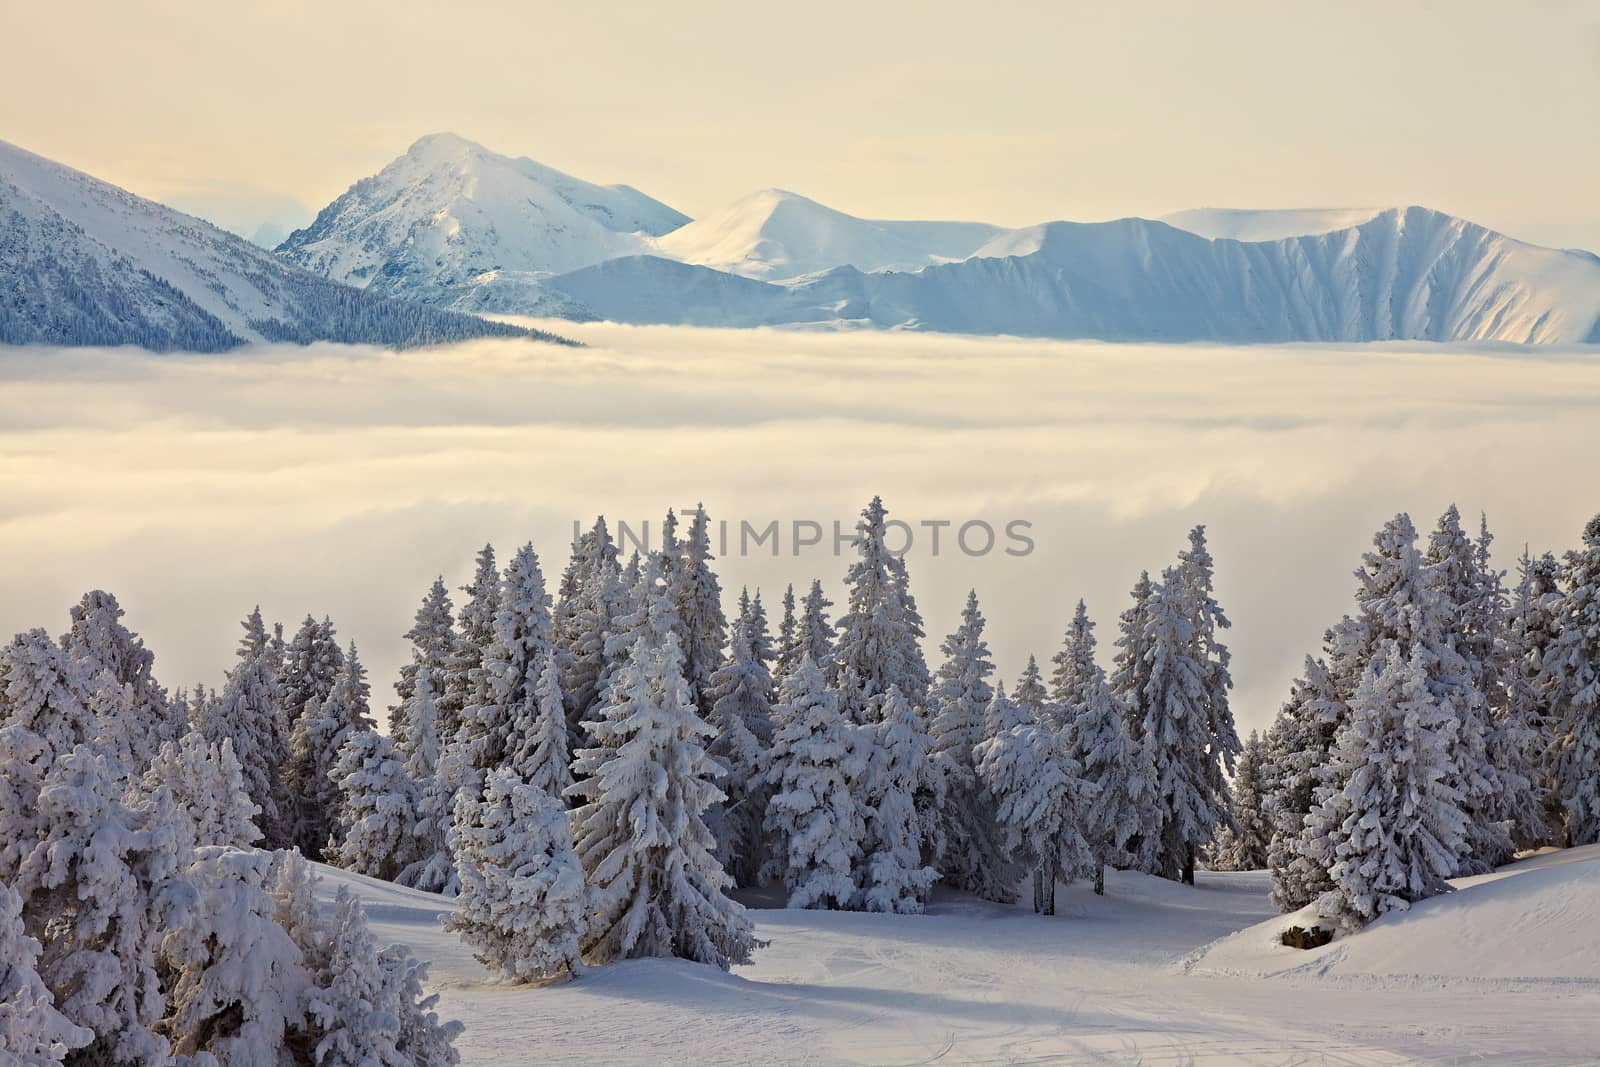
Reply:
x=1505 y=971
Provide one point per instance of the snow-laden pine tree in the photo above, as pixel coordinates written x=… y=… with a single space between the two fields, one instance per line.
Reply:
x=656 y=886
x=879 y=635
x=507 y=706
x=592 y=598
x=433 y=644
x=697 y=596
x=1243 y=846
x=1391 y=833
x=975 y=858
x=741 y=712
x=1130 y=677
x=1572 y=663
x=425 y=1040
x=32 y=1032
x=43 y=717
x=433 y=787
x=521 y=905
x=1117 y=814
x=1470 y=609
x=311 y=664
x=1040 y=794
x=355 y=1030
x=238 y=984
x=474 y=635
x=319 y=733
x=247 y=713
x=99 y=640
x=1188 y=725
x=1076 y=670
x=1031 y=693
x=98 y=890
x=814 y=825
x=788 y=651
x=377 y=817
x=541 y=757
x=816 y=632
x=1534 y=624
x=896 y=870
x=208 y=792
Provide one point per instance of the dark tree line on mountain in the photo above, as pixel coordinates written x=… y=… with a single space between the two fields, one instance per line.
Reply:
x=1449 y=723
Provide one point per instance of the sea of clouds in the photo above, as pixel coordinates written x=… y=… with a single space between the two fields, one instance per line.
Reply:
x=340 y=481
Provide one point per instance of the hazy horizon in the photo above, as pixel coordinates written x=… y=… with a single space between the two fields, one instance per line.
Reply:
x=1017 y=117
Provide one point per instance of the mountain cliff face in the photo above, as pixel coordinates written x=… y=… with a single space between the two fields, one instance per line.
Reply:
x=1405 y=274
x=84 y=262
x=451 y=216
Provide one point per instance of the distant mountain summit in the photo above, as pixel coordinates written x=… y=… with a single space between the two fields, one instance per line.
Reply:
x=774 y=235
x=450 y=217
x=84 y=262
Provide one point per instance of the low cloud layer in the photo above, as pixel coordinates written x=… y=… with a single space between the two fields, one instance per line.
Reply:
x=340 y=481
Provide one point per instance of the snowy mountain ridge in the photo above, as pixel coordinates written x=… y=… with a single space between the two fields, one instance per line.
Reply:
x=85 y=262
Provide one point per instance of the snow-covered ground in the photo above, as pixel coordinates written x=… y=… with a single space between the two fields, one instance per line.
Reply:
x=1506 y=971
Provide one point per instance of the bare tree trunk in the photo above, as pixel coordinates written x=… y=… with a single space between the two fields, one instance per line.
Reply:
x=1188 y=865
x=1100 y=880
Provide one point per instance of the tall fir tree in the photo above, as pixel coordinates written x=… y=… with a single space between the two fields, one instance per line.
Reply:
x=1130 y=678
x=377 y=819
x=656 y=886
x=1076 y=670
x=1243 y=847
x=320 y=732
x=475 y=632
x=697 y=596
x=249 y=714
x=790 y=637
x=433 y=645
x=1117 y=817
x=816 y=632
x=878 y=645
x=98 y=638
x=1572 y=663
x=896 y=870
x=741 y=712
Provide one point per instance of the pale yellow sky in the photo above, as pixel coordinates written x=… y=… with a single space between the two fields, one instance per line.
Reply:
x=1012 y=112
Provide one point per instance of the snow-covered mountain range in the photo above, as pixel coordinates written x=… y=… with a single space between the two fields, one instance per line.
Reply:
x=84 y=262
x=459 y=226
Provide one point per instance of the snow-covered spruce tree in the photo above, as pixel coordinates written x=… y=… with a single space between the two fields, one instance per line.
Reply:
x=319 y=733
x=816 y=632
x=522 y=893
x=975 y=859
x=424 y=1040
x=1188 y=726
x=98 y=890
x=895 y=874
x=377 y=817
x=474 y=634
x=247 y=714
x=238 y=985
x=1076 y=670
x=1534 y=625
x=311 y=664
x=697 y=595
x=541 y=758
x=32 y=1032
x=1040 y=798
x=428 y=770
x=788 y=650
x=349 y=1011
x=741 y=712
x=1471 y=613
x=1572 y=663
x=98 y=639
x=1117 y=814
x=1243 y=846
x=507 y=705
x=1031 y=693
x=1130 y=678
x=208 y=792
x=433 y=644
x=592 y=598
x=814 y=825
x=656 y=886
x=880 y=633
x=43 y=717
x=1392 y=832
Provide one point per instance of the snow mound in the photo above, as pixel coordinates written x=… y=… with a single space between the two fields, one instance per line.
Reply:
x=1529 y=922
x=1245 y=224
x=774 y=234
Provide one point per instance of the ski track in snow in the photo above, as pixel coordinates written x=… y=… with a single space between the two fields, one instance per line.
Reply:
x=1115 y=980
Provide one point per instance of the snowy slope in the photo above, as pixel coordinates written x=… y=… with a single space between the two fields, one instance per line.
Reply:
x=84 y=262
x=972 y=982
x=1244 y=224
x=1409 y=274
x=450 y=212
x=774 y=234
